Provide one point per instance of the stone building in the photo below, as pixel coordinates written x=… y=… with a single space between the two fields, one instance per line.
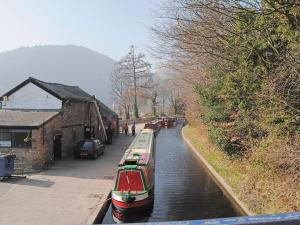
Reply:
x=41 y=122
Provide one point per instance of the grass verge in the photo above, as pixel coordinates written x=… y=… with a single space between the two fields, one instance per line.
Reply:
x=261 y=189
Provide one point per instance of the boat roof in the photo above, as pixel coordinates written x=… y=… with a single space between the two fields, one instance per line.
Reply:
x=141 y=142
x=140 y=149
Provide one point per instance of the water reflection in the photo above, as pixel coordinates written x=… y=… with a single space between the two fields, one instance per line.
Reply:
x=183 y=189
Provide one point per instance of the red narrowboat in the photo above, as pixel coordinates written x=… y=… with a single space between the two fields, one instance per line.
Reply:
x=134 y=187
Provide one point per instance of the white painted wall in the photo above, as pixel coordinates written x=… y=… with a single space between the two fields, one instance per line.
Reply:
x=31 y=97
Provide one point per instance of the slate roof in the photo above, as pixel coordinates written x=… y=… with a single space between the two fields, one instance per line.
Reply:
x=11 y=118
x=61 y=91
x=106 y=111
x=65 y=92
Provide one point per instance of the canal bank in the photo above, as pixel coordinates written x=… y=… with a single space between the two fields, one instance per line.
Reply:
x=220 y=181
x=183 y=188
x=260 y=186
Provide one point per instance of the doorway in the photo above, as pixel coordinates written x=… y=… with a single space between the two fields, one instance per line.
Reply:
x=57 y=147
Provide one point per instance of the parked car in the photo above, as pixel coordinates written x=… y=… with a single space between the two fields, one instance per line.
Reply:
x=89 y=148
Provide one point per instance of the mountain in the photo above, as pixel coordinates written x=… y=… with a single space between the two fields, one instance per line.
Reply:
x=70 y=65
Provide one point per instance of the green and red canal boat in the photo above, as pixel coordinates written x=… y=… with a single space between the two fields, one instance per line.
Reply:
x=134 y=187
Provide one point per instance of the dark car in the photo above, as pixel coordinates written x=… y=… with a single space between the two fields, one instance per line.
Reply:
x=89 y=148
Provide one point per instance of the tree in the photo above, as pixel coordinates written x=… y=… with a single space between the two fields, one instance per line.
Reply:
x=121 y=92
x=152 y=94
x=134 y=73
x=233 y=58
x=154 y=102
x=174 y=97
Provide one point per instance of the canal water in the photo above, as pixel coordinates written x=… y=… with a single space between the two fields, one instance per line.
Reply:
x=183 y=189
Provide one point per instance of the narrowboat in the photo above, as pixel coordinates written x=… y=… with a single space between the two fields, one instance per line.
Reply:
x=159 y=124
x=154 y=125
x=167 y=122
x=134 y=187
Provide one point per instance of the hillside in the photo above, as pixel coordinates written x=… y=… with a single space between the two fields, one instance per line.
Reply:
x=71 y=65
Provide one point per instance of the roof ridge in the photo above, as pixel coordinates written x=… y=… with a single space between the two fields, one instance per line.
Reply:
x=60 y=91
x=34 y=79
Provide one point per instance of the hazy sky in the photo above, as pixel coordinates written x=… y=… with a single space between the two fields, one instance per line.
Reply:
x=107 y=26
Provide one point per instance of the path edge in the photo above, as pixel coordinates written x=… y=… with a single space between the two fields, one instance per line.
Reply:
x=100 y=211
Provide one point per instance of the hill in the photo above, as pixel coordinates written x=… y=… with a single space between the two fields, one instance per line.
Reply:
x=71 y=65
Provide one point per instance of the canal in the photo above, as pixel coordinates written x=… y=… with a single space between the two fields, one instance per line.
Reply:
x=183 y=189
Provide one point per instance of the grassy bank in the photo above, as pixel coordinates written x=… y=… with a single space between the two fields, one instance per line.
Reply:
x=257 y=186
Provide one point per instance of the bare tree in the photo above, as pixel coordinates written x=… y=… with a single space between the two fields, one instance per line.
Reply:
x=153 y=95
x=154 y=101
x=121 y=92
x=174 y=96
x=135 y=71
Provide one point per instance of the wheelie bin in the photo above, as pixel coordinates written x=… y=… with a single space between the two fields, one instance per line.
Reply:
x=6 y=165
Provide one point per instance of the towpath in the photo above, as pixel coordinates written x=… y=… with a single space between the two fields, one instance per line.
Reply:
x=70 y=193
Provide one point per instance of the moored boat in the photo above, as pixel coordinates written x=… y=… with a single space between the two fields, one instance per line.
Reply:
x=167 y=122
x=134 y=187
x=154 y=125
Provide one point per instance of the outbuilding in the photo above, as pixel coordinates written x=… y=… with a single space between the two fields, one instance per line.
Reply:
x=41 y=122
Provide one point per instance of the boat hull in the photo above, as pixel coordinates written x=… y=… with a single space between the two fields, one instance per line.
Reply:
x=140 y=216
x=135 y=204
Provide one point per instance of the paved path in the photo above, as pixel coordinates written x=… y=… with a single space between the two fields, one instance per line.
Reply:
x=70 y=193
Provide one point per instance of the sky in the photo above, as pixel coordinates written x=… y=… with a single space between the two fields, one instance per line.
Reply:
x=106 y=26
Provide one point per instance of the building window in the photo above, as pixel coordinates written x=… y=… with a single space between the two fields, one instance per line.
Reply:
x=5 y=140
x=15 y=138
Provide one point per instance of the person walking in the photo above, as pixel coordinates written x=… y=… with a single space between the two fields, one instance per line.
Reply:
x=125 y=128
x=133 y=128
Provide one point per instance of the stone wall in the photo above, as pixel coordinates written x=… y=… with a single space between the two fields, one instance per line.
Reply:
x=70 y=124
x=74 y=116
x=48 y=131
x=40 y=155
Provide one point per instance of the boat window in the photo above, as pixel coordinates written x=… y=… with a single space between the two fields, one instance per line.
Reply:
x=130 y=162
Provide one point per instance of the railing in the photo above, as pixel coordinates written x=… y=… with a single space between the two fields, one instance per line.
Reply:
x=274 y=219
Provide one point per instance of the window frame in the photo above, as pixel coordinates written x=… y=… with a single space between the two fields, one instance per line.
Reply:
x=13 y=140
